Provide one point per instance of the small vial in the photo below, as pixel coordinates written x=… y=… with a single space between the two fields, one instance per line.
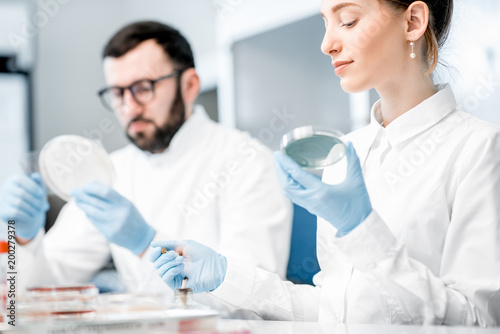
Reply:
x=183 y=296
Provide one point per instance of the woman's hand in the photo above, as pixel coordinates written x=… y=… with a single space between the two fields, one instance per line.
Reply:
x=204 y=268
x=344 y=205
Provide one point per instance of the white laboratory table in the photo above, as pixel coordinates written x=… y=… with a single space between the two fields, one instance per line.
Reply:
x=280 y=327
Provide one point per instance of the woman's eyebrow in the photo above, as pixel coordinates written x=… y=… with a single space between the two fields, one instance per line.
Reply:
x=338 y=7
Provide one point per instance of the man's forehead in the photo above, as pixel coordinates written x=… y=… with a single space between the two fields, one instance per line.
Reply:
x=146 y=61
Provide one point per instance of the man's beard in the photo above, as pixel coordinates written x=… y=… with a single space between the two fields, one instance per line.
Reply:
x=162 y=135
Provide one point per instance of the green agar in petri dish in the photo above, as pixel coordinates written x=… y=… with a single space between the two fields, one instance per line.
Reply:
x=316 y=151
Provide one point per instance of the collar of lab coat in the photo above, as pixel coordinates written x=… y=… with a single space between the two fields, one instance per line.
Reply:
x=185 y=138
x=418 y=119
x=411 y=123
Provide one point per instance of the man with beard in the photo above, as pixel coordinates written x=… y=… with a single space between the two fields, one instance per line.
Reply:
x=183 y=177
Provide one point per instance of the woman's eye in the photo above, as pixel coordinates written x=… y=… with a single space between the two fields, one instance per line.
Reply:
x=349 y=24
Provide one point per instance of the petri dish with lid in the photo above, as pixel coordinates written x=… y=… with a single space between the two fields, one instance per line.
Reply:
x=68 y=162
x=313 y=147
x=59 y=302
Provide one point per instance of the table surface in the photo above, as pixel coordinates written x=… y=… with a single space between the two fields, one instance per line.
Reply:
x=268 y=327
x=284 y=327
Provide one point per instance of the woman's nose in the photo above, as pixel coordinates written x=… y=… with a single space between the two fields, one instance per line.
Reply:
x=331 y=43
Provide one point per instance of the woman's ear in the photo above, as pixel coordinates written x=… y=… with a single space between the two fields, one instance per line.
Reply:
x=417 y=20
x=190 y=86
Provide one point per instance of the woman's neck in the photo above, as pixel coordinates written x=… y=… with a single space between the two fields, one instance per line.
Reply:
x=399 y=97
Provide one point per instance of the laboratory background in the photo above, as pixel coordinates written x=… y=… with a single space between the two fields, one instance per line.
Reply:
x=259 y=61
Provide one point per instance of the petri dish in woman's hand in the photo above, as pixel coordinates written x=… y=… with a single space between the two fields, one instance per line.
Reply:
x=313 y=147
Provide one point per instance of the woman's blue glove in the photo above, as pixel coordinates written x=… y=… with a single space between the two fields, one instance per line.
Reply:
x=114 y=216
x=24 y=200
x=344 y=205
x=204 y=268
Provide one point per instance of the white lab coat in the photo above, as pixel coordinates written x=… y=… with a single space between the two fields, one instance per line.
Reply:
x=429 y=253
x=213 y=184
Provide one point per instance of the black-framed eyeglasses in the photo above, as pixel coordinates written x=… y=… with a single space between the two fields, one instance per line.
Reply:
x=142 y=92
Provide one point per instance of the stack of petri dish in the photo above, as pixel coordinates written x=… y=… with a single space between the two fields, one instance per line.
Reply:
x=59 y=303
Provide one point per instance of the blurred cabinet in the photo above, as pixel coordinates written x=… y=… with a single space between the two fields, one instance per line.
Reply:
x=14 y=123
x=17 y=35
x=19 y=27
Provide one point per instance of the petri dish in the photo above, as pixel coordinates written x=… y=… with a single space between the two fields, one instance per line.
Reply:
x=313 y=147
x=60 y=302
x=68 y=162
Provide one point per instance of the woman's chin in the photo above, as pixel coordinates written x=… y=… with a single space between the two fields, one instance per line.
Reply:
x=353 y=86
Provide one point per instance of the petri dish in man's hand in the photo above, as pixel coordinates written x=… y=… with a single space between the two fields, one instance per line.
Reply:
x=312 y=147
x=68 y=162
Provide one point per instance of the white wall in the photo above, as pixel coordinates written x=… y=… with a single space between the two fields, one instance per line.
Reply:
x=472 y=58
x=69 y=65
x=69 y=69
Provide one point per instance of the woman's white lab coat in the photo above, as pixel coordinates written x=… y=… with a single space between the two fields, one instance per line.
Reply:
x=430 y=251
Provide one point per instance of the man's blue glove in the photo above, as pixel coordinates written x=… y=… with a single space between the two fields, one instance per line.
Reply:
x=204 y=268
x=24 y=200
x=344 y=205
x=114 y=216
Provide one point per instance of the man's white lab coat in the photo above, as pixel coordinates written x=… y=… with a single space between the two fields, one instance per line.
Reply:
x=213 y=184
x=430 y=251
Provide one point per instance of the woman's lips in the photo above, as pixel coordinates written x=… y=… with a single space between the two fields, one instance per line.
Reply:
x=340 y=66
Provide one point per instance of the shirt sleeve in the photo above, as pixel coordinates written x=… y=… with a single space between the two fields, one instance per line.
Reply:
x=466 y=291
x=70 y=253
x=248 y=287
x=254 y=214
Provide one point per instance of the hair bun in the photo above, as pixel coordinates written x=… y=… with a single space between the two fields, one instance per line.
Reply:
x=442 y=11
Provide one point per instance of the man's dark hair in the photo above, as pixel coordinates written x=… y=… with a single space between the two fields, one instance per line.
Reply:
x=171 y=40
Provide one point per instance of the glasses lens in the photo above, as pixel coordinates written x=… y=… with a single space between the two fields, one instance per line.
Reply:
x=143 y=91
x=112 y=98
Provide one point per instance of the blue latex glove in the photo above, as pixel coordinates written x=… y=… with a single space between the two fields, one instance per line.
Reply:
x=344 y=205
x=204 y=268
x=114 y=216
x=24 y=199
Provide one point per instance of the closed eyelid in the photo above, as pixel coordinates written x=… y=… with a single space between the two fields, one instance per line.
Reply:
x=349 y=16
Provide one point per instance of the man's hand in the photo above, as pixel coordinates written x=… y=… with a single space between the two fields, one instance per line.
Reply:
x=24 y=200
x=115 y=217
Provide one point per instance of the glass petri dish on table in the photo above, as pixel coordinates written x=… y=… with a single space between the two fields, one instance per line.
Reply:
x=59 y=302
x=68 y=162
x=313 y=147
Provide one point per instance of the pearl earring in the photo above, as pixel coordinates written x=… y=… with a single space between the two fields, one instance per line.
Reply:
x=412 y=54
